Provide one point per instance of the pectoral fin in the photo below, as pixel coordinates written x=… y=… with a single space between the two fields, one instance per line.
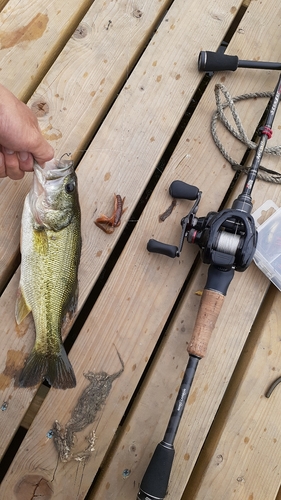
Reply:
x=22 y=309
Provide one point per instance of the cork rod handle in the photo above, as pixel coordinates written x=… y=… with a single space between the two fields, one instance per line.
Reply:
x=210 y=307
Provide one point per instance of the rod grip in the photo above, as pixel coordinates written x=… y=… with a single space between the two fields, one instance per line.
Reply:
x=155 y=481
x=215 y=61
x=209 y=310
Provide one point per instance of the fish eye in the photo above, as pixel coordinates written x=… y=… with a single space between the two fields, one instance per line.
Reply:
x=69 y=188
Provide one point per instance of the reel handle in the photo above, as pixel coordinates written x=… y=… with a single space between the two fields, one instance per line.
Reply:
x=178 y=189
x=155 y=246
x=182 y=190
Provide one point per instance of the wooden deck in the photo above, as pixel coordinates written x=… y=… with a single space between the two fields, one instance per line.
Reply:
x=110 y=82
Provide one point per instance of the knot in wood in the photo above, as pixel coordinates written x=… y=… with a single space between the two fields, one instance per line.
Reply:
x=137 y=13
x=81 y=31
x=40 y=108
x=33 y=486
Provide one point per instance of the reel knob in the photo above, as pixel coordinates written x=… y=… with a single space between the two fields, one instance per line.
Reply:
x=155 y=246
x=181 y=190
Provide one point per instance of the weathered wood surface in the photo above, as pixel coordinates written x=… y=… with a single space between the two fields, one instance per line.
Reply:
x=133 y=307
x=243 y=448
x=32 y=35
x=106 y=168
x=154 y=404
x=75 y=93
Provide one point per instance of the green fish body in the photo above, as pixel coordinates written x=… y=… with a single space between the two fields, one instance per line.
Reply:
x=50 y=249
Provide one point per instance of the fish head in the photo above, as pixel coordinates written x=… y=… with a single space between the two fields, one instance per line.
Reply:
x=53 y=198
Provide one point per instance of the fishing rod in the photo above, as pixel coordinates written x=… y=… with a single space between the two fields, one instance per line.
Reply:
x=217 y=61
x=227 y=240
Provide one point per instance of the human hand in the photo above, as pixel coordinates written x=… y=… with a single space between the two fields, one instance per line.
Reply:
x=21 y=141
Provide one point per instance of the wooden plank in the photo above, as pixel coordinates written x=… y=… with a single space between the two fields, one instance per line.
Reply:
x=34 y=407
x=32 y=43
x=147 y=421
x=76 y=95
x=12 y=198
x=92 y=249
x=244 y=445
x=32 y=36
x=145 y=426
x=171 y=95
x=278 y=494
x=3 y=3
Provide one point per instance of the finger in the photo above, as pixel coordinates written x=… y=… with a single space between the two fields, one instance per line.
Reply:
x=2 y=166
x=43 y=153
x=26 y=161
x=12 y=164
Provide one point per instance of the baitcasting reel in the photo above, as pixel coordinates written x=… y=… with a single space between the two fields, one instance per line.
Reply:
x=227 y=239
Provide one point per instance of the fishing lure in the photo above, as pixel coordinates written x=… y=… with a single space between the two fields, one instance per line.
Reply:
x=107 y=224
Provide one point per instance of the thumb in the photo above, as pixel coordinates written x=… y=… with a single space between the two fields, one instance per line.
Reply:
x=43 y=151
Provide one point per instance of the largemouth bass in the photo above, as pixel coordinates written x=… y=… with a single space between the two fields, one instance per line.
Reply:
x=50 y=249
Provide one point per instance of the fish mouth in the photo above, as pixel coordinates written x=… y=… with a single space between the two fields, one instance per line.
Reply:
x=50 y=177
x=53 y=169
x=47 y=182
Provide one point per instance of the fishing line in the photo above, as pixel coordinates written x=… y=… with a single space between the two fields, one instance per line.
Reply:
x=65 y=154
x=227 y=243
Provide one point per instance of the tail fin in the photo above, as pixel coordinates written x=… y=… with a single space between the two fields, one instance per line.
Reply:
x=55 y=368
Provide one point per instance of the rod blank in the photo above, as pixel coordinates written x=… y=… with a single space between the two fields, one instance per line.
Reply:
x=215 y=61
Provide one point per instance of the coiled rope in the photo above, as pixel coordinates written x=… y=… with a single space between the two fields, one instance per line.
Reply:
x=240 y=134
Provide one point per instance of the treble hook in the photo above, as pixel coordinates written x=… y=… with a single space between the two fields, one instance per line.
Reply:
x=272 y=387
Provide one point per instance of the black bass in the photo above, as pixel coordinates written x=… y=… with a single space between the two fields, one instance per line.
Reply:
x=50 y=249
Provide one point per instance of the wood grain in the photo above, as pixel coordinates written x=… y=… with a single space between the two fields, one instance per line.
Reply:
x=31 y=38
x=226 y=416
x=107 y=168
x=244 y=444
x=154 y=403
x=75 y=95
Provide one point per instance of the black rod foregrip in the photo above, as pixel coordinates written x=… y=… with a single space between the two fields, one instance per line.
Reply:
x=219 y=279
x=217 y=61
